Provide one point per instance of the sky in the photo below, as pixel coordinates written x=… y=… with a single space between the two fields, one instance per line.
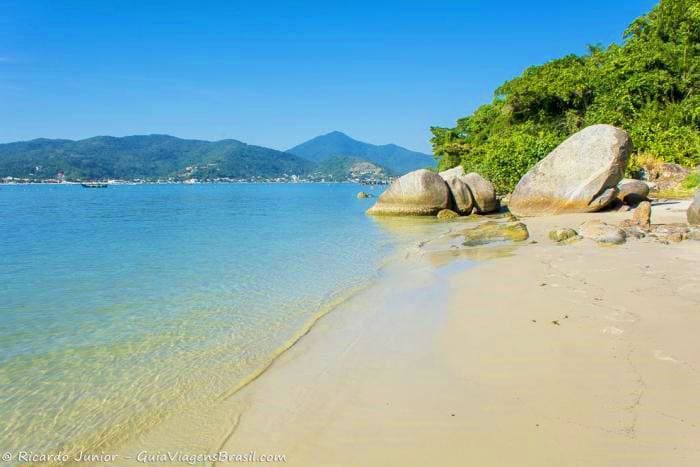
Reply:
x=276 y=73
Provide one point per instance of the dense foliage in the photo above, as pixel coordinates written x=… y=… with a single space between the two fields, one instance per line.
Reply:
x=649 y=85
x=395 y=158
x=152 y=157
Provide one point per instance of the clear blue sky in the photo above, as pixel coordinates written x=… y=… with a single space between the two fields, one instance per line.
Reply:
x=276 y=73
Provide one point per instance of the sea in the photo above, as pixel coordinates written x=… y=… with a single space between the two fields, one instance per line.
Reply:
x=123 y=306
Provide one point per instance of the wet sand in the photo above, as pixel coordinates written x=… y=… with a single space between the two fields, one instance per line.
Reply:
x=538 y=355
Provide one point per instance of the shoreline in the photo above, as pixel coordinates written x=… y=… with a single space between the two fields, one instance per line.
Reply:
x=394 y=377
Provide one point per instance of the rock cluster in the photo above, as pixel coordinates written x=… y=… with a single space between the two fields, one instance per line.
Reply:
x=425 y=193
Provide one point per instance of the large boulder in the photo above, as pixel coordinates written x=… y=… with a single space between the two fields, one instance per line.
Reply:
x=694 y=210
x=462 y=199
x=419 y=193
x=580 y=175
x=483 y=192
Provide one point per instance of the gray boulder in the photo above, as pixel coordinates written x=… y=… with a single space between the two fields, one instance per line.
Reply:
x=601 y=232
x=462 y=199
x=580 y=175
x=632 y=192
x=452 y=173
x=694 y=210
x=483 y=192
x=419 y=193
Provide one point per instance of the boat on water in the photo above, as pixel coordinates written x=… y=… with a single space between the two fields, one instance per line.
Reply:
x=94 y=185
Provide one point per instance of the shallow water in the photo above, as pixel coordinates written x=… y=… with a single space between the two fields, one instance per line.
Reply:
x=122 y=306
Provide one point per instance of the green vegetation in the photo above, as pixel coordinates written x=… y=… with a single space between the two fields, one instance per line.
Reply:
x=145 y=157
x=649 y=85
x=151 y=157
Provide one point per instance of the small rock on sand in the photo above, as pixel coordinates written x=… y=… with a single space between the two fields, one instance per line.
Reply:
x=447 y=214
x=642 y=215
x=562 y=235
x=602 y=233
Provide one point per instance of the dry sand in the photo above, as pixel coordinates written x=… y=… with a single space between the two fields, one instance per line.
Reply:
x=548 y=355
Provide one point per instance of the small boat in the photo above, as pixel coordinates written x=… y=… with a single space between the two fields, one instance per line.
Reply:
x=94 y=185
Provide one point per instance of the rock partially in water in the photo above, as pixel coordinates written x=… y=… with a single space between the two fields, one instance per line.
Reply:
x=419 y=193
x=563 y=235
x=632 y=192
x=492 y=231
x=462 y=199
x=580 y=175
x=446 y=214
x=483 y=192
x=363 y=195
x=602 y=233
x=694 y=210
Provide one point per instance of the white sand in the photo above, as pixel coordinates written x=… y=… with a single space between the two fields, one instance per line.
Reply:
x=437 y=365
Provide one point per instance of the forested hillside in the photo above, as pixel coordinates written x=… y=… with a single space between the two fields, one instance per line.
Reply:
x=648 y=85
x=145 y=157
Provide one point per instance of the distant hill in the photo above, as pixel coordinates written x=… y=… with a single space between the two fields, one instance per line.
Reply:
x=146 y=157
x=395 y=158
x=351 y=168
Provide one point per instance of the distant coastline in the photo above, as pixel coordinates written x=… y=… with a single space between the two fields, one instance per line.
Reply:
x=280 y=180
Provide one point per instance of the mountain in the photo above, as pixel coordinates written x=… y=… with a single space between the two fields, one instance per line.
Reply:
x=145 y=157
x=391 y=156
x=341 y=168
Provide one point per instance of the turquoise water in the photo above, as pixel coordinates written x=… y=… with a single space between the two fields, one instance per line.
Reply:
x=122 y=305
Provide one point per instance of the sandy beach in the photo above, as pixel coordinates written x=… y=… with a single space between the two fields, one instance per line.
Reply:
x=538 y=354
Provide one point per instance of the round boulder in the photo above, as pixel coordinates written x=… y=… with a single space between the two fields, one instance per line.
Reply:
x=483 y=192
x=419 y=193
x=602 y=233
x=632 y=192
x=580 y=175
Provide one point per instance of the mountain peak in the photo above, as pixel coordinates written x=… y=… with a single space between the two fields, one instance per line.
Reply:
x=336 y=143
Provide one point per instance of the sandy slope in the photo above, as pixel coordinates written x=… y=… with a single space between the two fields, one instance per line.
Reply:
x=551 y=355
